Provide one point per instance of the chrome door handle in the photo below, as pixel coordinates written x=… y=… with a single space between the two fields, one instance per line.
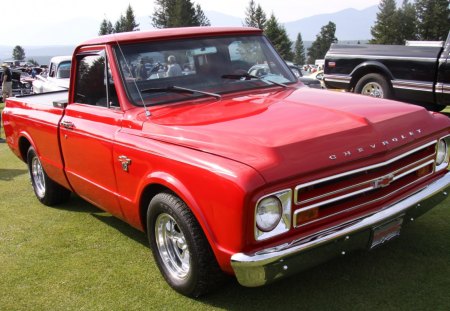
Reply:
x=67 y=124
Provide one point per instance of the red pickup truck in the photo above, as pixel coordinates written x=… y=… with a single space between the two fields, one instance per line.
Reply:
x=226 y=172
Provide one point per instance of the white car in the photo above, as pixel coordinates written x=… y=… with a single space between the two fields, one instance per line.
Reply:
x=57 y=78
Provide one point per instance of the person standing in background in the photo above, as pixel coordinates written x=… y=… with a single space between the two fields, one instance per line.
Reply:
x=6 y=82
x=6 y=87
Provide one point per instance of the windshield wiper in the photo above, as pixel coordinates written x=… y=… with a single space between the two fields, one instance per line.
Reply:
x=247 y=76
x=178 y=89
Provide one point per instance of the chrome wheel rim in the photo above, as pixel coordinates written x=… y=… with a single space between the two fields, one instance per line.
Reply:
x=373 y=89
x=37 y=173
x=172 y=246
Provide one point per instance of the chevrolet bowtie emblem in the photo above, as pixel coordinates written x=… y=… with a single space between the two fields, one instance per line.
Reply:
x=383 y=181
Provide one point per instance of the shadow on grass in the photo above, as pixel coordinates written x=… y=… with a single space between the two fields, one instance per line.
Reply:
x=123 y=228
x=9 y=174
x=77 y=204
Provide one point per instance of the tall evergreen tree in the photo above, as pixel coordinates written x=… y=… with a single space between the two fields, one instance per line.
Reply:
x=407 y=23
x=260 y=18
x=106 y=28
x=434 y=19
x=18 y=53
x=386 y=26
x=201 y=18
x=178 y=13
x=123 y=24
x=255 y=16
x=250 y=12
x=278 y=36
x=129 y=22
x=299 y=51
x=322 y=43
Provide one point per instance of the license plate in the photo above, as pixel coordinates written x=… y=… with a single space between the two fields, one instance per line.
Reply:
x=386 y=232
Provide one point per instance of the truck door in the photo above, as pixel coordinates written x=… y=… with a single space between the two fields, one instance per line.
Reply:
x=88 y=129
x=443 y=77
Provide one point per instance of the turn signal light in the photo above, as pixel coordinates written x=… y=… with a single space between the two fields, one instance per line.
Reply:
x=302 y=217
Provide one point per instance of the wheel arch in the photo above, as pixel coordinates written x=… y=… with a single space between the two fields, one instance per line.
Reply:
x=367 y=68
x=164 y=182
x=24 y=143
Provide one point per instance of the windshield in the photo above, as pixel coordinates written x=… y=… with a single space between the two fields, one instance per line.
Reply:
x=204 y=65
x=63 y=70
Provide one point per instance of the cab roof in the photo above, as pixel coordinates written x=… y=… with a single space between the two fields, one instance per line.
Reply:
x=170 y=33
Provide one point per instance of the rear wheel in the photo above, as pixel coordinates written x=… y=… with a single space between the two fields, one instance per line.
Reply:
x=46 y=190
x=180 y=248
x=374 y=85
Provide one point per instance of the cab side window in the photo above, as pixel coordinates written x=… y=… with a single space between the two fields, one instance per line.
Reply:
x=94 y=85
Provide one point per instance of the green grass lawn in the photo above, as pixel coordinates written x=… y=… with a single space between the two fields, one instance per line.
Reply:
x=77 y=257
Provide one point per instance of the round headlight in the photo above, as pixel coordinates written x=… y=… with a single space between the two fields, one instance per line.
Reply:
x=268 y=213
x=441 y=153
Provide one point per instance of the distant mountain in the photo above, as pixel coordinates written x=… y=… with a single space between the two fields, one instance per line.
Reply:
x=61 y=38
x=351 y=24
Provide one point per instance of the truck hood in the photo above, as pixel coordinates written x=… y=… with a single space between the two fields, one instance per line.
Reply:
x=305 y=129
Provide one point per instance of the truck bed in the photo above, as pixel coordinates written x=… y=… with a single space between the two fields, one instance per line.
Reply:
x=390 y=51
x=47 y=99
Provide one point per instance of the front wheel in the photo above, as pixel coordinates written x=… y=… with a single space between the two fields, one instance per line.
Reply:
x=180 y=249
x=374 y=85
x=46 y=190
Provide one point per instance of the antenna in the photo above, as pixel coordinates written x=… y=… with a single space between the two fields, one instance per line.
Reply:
x=147 y=112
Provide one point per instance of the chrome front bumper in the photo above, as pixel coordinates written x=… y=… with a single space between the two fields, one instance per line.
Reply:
x=268 y=265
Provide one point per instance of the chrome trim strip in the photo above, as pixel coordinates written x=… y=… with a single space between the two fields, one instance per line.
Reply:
x=370 y=167
x=337 y=78
x=359 y=205
x=443 y=87
x=412 y=85
x=270 y=264
x=379 y=57
x=370 y=182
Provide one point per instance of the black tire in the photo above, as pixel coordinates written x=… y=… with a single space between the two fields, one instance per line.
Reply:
x=46 y=190
x=180 y=248
x=374 y=85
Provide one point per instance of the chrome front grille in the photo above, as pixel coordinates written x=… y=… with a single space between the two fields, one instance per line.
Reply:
x=349 y=191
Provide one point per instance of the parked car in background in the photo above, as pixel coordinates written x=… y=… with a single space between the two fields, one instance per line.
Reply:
x=318 y=75
x=261 y=70
x=19 y=87
x=418 y=74
x=57 y=78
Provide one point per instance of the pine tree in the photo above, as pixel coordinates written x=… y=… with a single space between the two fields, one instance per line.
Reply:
x=250 y=12
x=322 y=43
x=123 y=24
x=129 y=21
x=18 y=53
x=407 y=23
x=255 y=16
x=278 y=36
x=434 y=19
x=299 y=51
x=386 y=26
x=201 y=17
x=178 y=13
x=106 y=28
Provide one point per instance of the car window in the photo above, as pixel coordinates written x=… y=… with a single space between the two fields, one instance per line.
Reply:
x=94 y=85
x=63 y=70
x=203 y=64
